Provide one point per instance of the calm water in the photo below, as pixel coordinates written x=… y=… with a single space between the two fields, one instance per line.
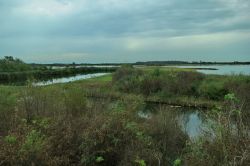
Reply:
x=69 y=79
x=191 y=121
x=222 y=69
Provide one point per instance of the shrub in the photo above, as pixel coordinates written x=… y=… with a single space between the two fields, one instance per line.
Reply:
x=127 y=79
x=140 y=162
x=151 y=84
x=213 y=89
x=171 y=83
x=33 y=142
x=240 y=86
x=7 y=110
x=10 y=139
x=188 y=82
x=228 y=142
x=75 y=101
x=168 y=137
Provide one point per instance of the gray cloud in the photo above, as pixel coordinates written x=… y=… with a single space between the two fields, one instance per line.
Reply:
x=116 y=30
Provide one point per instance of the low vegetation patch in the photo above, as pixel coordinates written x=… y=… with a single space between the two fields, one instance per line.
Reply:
x=61 y=125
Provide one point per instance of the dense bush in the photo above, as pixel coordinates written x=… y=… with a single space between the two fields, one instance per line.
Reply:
x=7 y=110
x=168 y=137
x=60 y=126
x=127 y=79
x=213 y=89
x=240 y=86
x=151 y=83
x=226 y=143
x=10 y=64
x=131 y=80
x=187 y=82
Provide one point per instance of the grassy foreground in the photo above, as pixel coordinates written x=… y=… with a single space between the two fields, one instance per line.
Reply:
x=61 y=124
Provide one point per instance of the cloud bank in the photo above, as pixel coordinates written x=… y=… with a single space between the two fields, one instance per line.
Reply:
x=125 y=31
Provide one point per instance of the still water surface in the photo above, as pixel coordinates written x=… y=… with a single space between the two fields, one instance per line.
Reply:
x=221 y=69
x=191 y=121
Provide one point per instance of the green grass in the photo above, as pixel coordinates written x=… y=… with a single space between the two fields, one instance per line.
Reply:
x=100 y=84
x=164 y=69
x=59 y=125
x=101 y=79
x=11 y=89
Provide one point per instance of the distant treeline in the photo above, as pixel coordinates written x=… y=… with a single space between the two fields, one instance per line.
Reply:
x=77 y=64
x=154 y=63
x=15 y=70
x=161 y=63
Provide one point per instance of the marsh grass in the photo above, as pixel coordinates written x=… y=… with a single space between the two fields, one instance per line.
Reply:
x=227 y=143
x=60 y=125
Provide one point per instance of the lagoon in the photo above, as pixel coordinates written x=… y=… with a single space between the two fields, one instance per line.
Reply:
x=220 y=69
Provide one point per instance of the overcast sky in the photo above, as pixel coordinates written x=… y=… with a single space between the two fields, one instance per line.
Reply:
x=97 y=31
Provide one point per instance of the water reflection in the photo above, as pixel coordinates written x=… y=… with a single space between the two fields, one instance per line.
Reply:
x=221 y=69
x=191 y=121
